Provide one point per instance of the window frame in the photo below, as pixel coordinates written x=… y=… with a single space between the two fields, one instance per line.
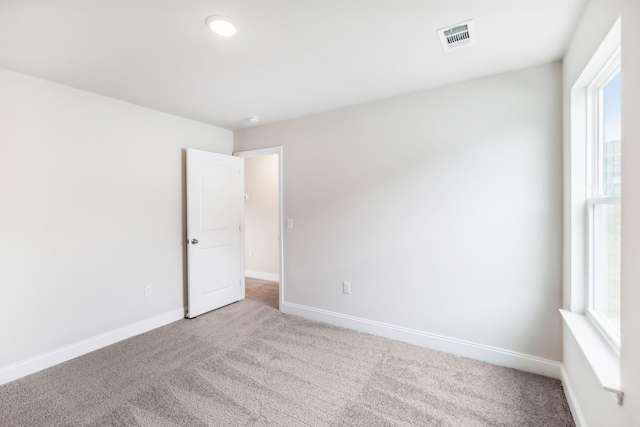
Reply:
x=599 y=351
x=594 y=184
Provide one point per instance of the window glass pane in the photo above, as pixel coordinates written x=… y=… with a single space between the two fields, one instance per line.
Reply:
x=606 y=239
x=612 y=109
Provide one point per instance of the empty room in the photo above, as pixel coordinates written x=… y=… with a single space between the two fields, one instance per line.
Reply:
x=319 y=213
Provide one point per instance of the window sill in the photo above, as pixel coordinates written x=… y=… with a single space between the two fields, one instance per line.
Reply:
x=602 y=358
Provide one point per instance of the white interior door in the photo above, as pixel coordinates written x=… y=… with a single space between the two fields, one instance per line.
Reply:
x=214 y=210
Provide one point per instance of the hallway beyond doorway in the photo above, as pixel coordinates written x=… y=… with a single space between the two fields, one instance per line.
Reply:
x=263 y=291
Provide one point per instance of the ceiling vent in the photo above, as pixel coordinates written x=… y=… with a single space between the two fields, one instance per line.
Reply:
x=457 y=36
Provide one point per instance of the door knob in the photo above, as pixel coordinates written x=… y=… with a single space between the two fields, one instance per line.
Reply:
x=194 y=241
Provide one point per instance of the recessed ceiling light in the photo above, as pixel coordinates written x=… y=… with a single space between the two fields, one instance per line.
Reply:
x=254 y=119
x=223 y=26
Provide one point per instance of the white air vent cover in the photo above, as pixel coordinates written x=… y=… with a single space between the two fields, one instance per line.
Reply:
x=457 y=36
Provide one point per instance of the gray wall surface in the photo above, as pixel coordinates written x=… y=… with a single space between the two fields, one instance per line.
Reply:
x=442 y=208
x=91 y=210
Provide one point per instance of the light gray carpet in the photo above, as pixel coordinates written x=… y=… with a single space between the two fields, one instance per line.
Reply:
x=263 y=290
x=249 y=365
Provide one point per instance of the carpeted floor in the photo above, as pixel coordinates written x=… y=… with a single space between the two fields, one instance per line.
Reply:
x=248 y=364
x=262 y=290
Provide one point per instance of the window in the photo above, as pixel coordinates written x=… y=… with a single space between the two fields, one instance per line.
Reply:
x=603 y=193
x=592 y=212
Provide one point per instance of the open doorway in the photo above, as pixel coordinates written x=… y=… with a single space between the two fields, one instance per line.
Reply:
x=263 y=225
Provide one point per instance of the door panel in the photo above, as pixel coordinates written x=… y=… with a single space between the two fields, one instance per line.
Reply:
x=214 y=209
x=216 y=196
x=215 y=275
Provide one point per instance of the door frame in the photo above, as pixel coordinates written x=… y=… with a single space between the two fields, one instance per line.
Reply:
x=258 y=153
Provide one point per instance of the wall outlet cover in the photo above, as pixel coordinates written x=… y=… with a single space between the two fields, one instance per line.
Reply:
x=346 y=287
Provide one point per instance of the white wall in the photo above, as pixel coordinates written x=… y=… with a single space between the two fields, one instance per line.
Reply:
x=442 y=208
x=598 y=407
x=91 y=210
x=261 y=216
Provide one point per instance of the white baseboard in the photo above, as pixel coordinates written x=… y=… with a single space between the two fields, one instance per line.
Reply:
x=493 y=355
x=38 y=363
x=263 y=276
x=578 y=416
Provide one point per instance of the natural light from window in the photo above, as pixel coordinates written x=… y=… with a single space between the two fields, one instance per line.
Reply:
x=604 y=192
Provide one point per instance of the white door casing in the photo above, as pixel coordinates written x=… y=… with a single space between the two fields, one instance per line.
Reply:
x=215 y=185
x=265 y=152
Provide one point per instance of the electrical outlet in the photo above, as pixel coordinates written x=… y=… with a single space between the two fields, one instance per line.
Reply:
x=250 y=254
x=148 y=290
x=290 y=224
x=346 y=287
